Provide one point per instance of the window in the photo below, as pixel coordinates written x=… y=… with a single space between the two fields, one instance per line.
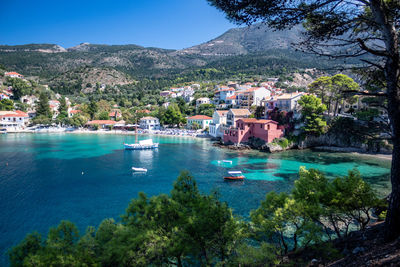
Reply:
x=268 y=126
x=261 y=126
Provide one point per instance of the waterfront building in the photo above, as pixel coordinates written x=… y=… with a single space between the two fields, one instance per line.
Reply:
x=234 y=114
x=16 y=119
x=149 y=123
x=219 y=120
x=244 y=129
x=202 y=120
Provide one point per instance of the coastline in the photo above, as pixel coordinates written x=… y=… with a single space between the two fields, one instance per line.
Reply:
x=354 y=151
x=101 y=132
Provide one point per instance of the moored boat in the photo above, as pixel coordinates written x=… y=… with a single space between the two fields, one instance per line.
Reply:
x=139 y=169
x=3 y=131
x=143 y=144
x=234 y=176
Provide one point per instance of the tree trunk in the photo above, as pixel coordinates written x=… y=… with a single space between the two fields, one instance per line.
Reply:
x=392 y=73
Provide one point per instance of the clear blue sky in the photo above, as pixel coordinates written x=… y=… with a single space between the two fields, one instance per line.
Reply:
x=172 y=24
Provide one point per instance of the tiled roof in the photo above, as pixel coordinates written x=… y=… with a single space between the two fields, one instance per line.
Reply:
x=253 y=120
x=13 y=73
x=14 y=114
x=148 y=118
x=222 y=112
x=240 y=111
x=101 y=122
x=199 y=117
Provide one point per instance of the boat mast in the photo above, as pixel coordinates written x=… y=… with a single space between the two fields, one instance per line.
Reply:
x=136 y=129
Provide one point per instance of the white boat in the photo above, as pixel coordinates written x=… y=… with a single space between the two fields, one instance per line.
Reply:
x=227 y=161
x=234 y=176
x=3 y=131
x=143 y=144
x=139 y=169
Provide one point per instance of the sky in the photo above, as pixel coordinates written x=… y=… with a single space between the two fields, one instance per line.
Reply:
x=173 y=24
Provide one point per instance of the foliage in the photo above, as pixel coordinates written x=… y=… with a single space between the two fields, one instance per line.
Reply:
x=63 y=109
x=311 y=111
x=42 y=107
x=282 y=142
x=6 y=104
x=206 y=109
x=171 y=116
x=19 y=87
x=92 y=109
x=182 y=229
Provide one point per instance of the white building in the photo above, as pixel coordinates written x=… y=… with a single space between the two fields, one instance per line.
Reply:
x=13 y=74
x=13 y=119
x=253 y=96
x=149 y=123
x=202 y=120
x=219 y=119
x=286 y=102
x=4 y=96
x=223 y=94
x=202 y=101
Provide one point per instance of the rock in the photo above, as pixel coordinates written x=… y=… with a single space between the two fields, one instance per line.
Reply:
x=314 y=262
x=358 y=250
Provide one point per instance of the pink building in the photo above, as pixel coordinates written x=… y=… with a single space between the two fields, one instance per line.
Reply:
x=266 y=130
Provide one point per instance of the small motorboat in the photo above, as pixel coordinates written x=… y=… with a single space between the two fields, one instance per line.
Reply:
x=3 y=131
x=227 y=161
x=139 y=169
x=234 y=176
x=143 y=144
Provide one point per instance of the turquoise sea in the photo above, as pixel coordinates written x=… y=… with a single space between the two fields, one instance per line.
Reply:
x=46 y=178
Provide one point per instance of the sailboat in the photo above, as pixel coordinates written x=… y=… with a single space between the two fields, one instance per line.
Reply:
x=143 y=144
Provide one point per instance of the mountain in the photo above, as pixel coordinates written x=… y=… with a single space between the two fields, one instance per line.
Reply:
x=252 y=39
x=253 y=50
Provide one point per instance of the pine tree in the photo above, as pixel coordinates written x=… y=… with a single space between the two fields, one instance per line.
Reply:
x=42 y=107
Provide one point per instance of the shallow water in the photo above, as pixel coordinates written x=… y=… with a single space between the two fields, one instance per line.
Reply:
x=45 y=178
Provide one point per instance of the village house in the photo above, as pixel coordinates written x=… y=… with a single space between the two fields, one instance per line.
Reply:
x=4 y=96
x=222 y=94
x=219 y=119
x=149 y=123
x=252 y=96
x=234 y=114
x=16 y=119
x=286 y=102
x=13 y=74
x=115 y=114
x=266 y=130
x=202 y=101
x=73 y=112
x=29 y=99
x=202 y=121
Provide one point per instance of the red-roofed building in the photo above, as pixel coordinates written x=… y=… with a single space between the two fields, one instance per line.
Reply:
x=72 y=113
x=202 y=120
x=4 y=96
x=266 y=130
x=115 y=114
x=15 y=119
x=13 y=74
